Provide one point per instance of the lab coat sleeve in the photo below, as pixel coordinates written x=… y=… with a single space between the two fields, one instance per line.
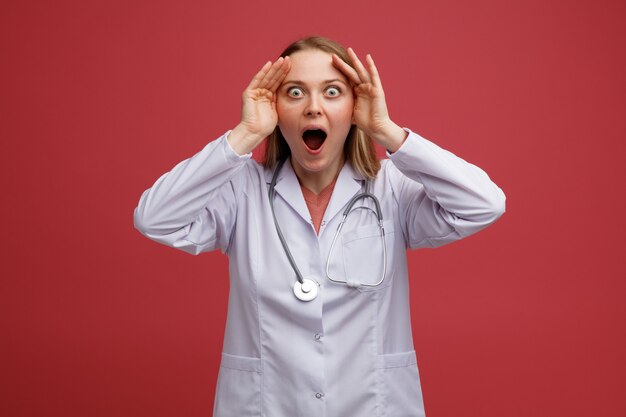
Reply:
x=441 y=198
x=193 y=207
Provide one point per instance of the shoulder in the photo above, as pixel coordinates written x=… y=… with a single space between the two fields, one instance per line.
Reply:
x=388 y=172
x=253 y=174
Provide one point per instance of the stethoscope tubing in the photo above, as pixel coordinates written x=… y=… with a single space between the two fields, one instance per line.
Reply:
x=280 y=233
x=347 y=211
x=306 y=289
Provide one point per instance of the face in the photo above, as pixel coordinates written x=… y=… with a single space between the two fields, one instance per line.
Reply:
x=314 y=106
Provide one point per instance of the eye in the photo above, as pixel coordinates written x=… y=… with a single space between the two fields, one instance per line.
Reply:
x=333 y=91
x=295 y=92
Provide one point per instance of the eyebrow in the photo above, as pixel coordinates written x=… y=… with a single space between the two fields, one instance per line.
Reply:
x=334 y=80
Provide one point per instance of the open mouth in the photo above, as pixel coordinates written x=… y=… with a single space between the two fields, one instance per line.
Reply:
x=314 y=138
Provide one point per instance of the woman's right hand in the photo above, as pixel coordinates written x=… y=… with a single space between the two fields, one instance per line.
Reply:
x=258 y=112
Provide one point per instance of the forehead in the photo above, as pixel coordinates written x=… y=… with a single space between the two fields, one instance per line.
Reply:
x=311 y=66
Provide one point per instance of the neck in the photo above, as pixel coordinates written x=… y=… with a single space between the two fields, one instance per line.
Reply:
x=317 y=181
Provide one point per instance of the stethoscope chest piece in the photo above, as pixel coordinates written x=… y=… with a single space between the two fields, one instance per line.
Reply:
x=305 y=291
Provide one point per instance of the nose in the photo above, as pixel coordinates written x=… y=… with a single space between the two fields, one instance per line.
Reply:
x=313 y=106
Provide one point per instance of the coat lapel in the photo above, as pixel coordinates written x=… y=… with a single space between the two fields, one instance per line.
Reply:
x=288 y=187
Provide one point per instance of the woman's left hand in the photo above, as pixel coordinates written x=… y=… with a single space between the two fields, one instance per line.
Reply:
x=370 y=109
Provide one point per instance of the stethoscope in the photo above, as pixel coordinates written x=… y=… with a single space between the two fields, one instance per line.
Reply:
x=306 y=289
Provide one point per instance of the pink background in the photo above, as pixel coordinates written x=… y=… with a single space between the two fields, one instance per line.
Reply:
x=99 y=98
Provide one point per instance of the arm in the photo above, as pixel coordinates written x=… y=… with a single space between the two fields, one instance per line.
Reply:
x=441 y=198
x=193 y=207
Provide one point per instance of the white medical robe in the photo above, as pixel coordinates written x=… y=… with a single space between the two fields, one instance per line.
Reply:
x=349 y=352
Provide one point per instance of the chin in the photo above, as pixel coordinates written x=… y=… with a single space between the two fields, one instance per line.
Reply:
x=313 y=166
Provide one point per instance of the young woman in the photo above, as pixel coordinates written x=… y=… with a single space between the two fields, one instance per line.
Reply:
x=318 y=315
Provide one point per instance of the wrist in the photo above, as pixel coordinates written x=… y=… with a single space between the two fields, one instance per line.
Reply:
x=242 y=140
x=391 y=137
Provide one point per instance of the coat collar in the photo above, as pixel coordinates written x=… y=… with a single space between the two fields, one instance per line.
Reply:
x=349 y=182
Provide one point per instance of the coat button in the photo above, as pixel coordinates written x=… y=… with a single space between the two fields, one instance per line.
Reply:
x=318 y=336
x=319 y=395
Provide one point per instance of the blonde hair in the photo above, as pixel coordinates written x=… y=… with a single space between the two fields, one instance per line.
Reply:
x=358 y=150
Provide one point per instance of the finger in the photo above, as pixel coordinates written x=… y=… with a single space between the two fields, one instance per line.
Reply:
x=360 y=69
x=269 y=75
x=373 y=71
x=256 y=80
x=346 y=69
x=280 y=75
x=275 y=72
